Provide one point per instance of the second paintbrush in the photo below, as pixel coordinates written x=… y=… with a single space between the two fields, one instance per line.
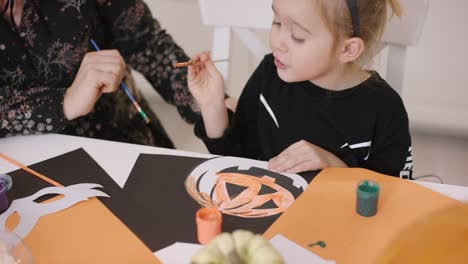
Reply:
x=188 y=63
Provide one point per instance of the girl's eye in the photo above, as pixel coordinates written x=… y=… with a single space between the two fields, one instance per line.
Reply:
x=296 y=39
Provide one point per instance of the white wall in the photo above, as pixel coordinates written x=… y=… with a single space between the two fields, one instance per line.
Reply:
x=435 y=87
x=182 y=20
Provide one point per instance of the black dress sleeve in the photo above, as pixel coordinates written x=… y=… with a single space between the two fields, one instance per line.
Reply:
x=35 y=110
x=150 y=50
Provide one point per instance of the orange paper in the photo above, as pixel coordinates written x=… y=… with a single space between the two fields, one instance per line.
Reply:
x=326 y=211
x=84 y=233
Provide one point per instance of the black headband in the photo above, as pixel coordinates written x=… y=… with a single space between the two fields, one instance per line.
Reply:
x=353 y=9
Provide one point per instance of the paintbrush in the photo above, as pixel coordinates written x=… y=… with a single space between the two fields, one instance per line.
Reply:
x=127 y=91
x=188 y=63
x=35 y=173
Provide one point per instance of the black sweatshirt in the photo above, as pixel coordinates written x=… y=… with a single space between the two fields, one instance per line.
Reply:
x=365 y=126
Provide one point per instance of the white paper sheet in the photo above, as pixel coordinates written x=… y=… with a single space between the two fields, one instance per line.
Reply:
x=181 y=253
x=178 y=253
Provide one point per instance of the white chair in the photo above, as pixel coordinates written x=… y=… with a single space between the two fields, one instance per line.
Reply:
x=238 y=17
x=401 y=34
x=243 y=16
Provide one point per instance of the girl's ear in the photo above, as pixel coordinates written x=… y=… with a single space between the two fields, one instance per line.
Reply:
x=351 y=50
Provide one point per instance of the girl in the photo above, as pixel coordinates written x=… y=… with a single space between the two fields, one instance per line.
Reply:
x=310 y=104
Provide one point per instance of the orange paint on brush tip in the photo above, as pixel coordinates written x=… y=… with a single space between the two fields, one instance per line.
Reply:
x=182 y=64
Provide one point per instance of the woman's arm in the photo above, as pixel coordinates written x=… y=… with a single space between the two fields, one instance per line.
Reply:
x=33 y=110
x=36 y=110
x=149 y=49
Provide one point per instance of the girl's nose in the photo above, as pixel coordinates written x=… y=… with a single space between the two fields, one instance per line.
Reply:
x=282 y=47
x=279 y=45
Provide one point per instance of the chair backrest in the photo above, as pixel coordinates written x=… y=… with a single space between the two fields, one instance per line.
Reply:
x=232 y=16
x=401 y=34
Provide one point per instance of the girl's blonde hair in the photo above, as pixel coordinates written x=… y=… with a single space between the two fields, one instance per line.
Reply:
x=372 y=16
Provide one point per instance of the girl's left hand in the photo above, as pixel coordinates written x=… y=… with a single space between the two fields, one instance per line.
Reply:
x=304 y=156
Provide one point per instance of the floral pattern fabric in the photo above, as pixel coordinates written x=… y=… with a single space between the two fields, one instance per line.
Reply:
x=40 y=57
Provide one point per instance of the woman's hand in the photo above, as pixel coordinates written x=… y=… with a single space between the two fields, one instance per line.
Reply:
x=100 y=72
x=304 y=156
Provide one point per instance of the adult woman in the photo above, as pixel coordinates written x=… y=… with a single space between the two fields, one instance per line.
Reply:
x=51 y=80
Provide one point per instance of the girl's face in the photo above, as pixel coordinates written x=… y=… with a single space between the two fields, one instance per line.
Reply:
x=302 y=45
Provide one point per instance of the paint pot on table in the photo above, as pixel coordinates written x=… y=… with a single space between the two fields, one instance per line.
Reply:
x=209 y=222
x=367 y=198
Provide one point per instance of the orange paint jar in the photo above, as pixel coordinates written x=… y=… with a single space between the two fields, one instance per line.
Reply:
x=208 y=224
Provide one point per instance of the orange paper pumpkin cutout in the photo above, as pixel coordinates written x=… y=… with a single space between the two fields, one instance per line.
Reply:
x=260 y=196
x=243 y=187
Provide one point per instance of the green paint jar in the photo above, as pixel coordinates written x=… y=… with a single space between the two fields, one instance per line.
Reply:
x=367 y=198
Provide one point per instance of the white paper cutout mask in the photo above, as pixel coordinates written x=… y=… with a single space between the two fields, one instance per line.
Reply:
x=30 y=211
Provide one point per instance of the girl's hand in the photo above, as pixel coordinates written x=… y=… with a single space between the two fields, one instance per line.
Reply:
x=206 y=83
x=100 y=72
x=304 y=156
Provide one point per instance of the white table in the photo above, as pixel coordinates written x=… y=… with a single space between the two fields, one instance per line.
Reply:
x=118 y=159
